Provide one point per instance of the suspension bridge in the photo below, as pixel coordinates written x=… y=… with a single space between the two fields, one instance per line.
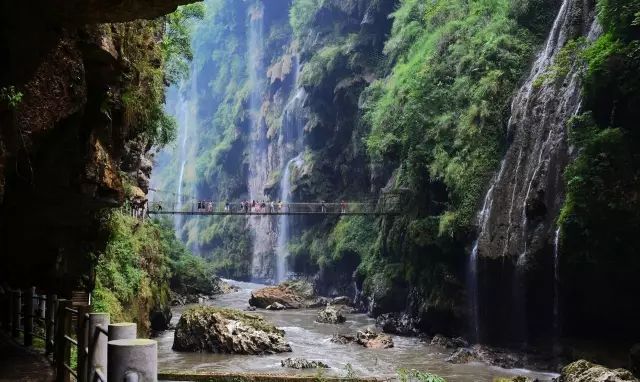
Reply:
x=385 y=205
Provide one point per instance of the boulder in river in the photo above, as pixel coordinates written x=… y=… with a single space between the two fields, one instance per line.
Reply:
x=584 y=371
x=221 y=330
x=301 y=363
x=330 y=315
x=374 y=340
x=449 y=343
x=291 y=294
x=342 y=300
x=367 y=338
x=160 y=318
x=397 y=323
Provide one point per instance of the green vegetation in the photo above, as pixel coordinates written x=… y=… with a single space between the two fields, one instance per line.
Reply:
x=141 y=261
x=10 y=96
x=441 y=112
x=176 y=41
x=405 y=375
x=301 y=15
x=601 y=214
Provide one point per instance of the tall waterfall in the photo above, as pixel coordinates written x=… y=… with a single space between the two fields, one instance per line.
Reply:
x=291 y=143
x=521 y=205
x=259 y=144
x=186 y=109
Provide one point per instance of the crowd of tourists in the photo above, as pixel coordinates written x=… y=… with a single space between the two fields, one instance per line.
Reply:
x=264 y=206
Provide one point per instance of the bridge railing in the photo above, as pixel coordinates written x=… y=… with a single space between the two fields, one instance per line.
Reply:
x=268 y=208
x=64 y=326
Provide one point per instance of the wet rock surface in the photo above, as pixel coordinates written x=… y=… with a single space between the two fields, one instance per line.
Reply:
x=331 y=315
x=397 y=323
x=367 y=338
x=634 y=359
x=450 y=343
x=584 y=371
x=291 y=294
x=160 y=318
x=276 y=306
x=219 y=330
x=301 y=363
x=504 y=358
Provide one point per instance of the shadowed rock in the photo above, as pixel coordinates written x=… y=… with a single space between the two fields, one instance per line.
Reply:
x=330 y=315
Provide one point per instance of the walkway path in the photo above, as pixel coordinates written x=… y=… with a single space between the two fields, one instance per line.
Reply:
x=18 y=363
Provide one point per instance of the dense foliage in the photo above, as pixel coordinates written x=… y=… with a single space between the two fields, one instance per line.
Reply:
x=601 y=216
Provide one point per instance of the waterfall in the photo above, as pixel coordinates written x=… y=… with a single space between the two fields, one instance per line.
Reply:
x=472 y=290
x=283 y=233
x=291 y=143
x=520 y=207
x=556 y=285
x=258 y=147
x=186 y=116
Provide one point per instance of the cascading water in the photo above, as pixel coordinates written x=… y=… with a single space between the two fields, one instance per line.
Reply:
x=291 y=143
x=186 y=116
x=518 y=216
x=258 y=153
x=283 y=233
x=556 y=284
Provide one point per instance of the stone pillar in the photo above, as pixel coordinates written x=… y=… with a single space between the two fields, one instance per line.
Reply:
x=133 y=360
x=98 y=326
x=123 y=331
x=27 y=317
x=16 y=308
x=49 y=317
x=82 y=333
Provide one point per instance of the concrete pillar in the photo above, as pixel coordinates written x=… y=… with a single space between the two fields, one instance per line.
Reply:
x=27 y=335
x=49 y=317
x=16 y=308
x=98 y=341
x=123 y=331
x=82 y=333
x=133 y=360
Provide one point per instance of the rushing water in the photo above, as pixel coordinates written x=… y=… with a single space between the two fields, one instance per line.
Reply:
x=311 y=340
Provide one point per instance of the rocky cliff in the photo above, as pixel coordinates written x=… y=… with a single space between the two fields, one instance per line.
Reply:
x=72 y=136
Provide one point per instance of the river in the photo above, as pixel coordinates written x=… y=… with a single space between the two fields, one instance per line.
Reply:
x=311 y=340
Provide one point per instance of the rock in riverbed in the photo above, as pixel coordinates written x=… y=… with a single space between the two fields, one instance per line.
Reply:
x=330 y=315
x=449 y=343
x=301 y=363
x=219 y=330
x=584 y=371
x=367 y=338
x=397 y=323
x=291 y=294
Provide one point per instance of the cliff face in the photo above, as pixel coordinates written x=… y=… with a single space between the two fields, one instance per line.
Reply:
x=65 y=146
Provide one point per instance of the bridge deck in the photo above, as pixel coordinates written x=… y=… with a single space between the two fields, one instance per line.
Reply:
x=238 y=213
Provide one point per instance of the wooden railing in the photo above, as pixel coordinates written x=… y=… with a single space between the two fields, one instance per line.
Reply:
x=64 y=326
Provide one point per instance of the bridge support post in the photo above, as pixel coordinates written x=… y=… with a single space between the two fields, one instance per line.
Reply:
x=49 y=322
x=16 y=309
x=27 y=335
x=123 y=331
x=98 y=341
x=133 y=360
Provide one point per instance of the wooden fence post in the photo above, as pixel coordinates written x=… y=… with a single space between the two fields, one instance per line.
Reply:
x=63 y=350
x=15 y=319
x=49 y=314
x=28 y=316
x=83 y=342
